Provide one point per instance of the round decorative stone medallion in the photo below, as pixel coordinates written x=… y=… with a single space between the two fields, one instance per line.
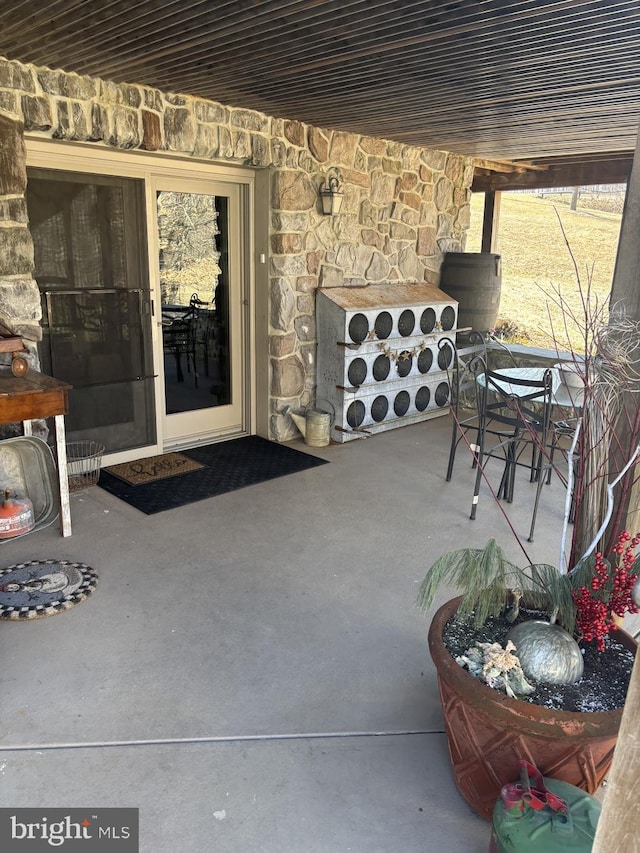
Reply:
x=44 y=588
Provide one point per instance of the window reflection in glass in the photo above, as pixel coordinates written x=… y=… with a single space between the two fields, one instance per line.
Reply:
x=194 y=277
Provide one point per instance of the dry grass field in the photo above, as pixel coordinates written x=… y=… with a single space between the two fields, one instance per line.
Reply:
x=536 y=262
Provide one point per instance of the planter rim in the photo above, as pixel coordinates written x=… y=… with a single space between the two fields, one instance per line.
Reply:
x=575 y=723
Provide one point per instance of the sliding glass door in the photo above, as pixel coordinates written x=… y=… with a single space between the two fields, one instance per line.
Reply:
x=144 y=269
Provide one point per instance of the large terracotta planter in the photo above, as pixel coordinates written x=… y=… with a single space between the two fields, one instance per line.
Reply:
x=488 y=732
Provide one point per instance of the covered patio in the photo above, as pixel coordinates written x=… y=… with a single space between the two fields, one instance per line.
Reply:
x=251 y=671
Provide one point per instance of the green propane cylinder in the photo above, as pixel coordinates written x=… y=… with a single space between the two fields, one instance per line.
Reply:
x=542 y=815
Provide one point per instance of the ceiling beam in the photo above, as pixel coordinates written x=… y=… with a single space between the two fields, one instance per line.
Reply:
x=571 y=175
x=507 y=166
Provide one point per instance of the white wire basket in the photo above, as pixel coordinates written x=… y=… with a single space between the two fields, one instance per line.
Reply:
x=84 y=459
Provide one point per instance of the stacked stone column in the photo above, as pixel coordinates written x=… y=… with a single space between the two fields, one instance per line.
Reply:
x=20 y=311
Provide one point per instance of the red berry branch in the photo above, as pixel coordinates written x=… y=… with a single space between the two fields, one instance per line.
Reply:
x=609 y=593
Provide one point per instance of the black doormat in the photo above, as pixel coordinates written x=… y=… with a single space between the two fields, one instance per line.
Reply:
x=227 y=466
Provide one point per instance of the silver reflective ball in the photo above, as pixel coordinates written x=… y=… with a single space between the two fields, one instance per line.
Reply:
x=547 y=652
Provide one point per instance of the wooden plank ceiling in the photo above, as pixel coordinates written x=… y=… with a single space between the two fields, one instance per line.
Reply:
x=535 y=82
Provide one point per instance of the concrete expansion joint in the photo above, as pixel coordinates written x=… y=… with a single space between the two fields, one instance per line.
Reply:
x=214 y=740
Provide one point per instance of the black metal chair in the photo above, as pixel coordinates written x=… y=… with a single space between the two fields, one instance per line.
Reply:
x=179 y=336
x=514 y=415
x=204 y=329
x=463 y=405
x=464 y=389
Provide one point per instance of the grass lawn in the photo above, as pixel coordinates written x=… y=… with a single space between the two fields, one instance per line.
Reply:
x=536 y=260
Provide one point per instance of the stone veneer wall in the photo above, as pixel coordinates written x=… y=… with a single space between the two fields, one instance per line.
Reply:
x=403 y=206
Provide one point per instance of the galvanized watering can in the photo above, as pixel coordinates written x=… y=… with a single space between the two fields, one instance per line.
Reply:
x=315 y=424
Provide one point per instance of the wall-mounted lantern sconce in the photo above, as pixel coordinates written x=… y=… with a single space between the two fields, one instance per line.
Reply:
x=330 y=193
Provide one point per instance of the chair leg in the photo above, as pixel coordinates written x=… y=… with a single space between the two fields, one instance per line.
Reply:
x=535 y=506
x=452 y=450
x=476 y=488
x=511 y=479
x=536 y=460
x=195 y=368
x=474 y=448
x=572 y=507
x=505 y=489
x=552 y=451
x=179 y=373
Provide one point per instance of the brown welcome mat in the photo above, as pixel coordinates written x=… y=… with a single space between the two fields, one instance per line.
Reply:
x=154 y=468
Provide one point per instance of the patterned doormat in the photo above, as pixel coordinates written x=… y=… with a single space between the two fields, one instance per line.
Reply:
x=222 y=467
x=44 y=588
x=154 y=468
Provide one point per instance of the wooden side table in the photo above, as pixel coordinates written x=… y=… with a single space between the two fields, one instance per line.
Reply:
x=27 y=398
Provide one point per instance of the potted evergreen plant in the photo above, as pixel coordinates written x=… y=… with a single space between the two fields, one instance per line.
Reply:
x=501 y=683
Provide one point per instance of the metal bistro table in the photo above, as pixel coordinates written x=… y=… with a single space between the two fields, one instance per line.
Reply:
x=35 y=396
x=566 y=396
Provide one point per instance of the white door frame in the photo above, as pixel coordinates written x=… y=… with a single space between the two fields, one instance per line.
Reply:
x=93 y=159
x=188 y=428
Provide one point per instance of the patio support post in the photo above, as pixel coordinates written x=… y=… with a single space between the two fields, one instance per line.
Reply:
x=620 y=817
x=490 y=220
x=618 y=825
x=625 y=290
x=626 y=283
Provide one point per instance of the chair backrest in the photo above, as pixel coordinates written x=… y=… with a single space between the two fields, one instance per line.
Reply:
x=461 y=380
x=519 y=402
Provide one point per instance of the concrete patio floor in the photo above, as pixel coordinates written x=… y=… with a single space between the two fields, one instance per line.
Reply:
x=251 y=672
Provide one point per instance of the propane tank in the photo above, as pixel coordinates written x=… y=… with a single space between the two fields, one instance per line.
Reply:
x=16 y=515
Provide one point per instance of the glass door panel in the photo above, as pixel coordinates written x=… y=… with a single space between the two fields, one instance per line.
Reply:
x=89 y=236
x=200 y=292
